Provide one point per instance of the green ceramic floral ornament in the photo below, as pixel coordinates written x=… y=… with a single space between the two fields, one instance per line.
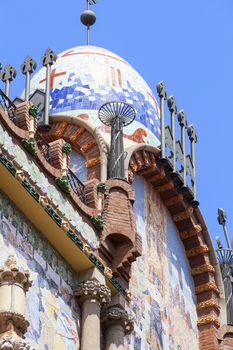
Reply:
x=33 y=111
x=101 y=187
x=63 y=183
x=98 y=222
x=66 y=148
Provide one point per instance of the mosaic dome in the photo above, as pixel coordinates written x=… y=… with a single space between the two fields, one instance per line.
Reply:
x=86 y=77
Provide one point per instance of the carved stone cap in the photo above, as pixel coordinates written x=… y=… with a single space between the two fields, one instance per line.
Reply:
x=117 y=315
x=13 y=342
x=93 y=289
x=10 y=273
x=13 y=321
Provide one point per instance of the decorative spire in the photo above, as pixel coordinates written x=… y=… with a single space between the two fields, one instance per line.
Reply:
x=27 y=68
x=48 y=60
x=88 y=18
x=8 y=74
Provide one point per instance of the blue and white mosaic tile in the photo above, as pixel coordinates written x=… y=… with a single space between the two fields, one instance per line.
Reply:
x=86 y=77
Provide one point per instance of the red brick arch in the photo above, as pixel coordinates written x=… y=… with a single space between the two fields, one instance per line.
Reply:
x=81 y=139
x=143 y=161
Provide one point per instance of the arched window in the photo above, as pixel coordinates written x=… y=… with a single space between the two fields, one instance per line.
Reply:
x=78 y=165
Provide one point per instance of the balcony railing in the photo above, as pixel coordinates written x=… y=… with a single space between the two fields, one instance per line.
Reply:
x=76 y=185
x=8 y=107
x=43 y=146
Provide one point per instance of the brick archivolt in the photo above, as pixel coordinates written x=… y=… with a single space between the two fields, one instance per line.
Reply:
x=83 y=139
x=144 y=161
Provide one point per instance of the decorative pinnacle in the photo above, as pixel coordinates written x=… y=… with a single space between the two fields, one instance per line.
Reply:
x=222 y=216
x=28 y=66
x=192 y=133
x=182 y=118
x=8 y=74
x=171 y=102
x=49 y=58
x=161 y=90
x=219 y=242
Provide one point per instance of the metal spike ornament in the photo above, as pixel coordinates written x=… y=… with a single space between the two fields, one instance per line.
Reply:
x=47 y=61
x=88 y=18
x=161 y=90
x=173 y=110
x=27 y=68
x=225 y=258
x=8 y=74
x=117 y=115
x=183 y=125
x=193 y=139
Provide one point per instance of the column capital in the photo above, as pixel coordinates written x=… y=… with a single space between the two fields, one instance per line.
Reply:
x=93 y=289
x=13 y=342
x=117 y=315
x=10 y=272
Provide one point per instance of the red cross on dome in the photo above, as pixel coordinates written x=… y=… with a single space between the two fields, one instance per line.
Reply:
x=53 y=75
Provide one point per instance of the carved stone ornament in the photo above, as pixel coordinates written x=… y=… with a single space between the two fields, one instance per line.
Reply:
x=14 y=284
x=11 y=273
x=12 y=342
x=14 y=320
x=117 y=315
x=93 y=289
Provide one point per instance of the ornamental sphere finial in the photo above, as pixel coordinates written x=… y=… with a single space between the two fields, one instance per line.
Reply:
x=88 y=18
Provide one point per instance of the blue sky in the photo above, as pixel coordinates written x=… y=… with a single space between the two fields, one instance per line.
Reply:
x=188 y=44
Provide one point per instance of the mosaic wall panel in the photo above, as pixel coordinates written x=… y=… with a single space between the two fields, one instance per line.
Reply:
x=84 y=78
x=42 y=182
x=163 y=290
x=52 y=311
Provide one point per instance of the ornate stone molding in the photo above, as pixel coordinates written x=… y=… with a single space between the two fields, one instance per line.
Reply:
x=183 y=215
x=201 y=249
x=117 y=315
x=207 y=286
x=12 y=342
x=208 y=320
x=17 y=320
x=191 y=232
x=208 y=303
x=93 y=289
x=10 y=273
x=203 y=268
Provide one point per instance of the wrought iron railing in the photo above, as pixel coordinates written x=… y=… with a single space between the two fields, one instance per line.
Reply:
x=8 y=107
x=76 y=185
x=43 y=146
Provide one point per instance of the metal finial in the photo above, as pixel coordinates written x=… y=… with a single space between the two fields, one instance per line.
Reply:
x=183 y=125
x=171 y=102
x=222 y=216
x=47 y=61
x=192 y=133
x=161 y=90
x=222 y=219
x=49 y=58
x=27 y=68
x=8 y=74
x=117 y=115
x=88 y=18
